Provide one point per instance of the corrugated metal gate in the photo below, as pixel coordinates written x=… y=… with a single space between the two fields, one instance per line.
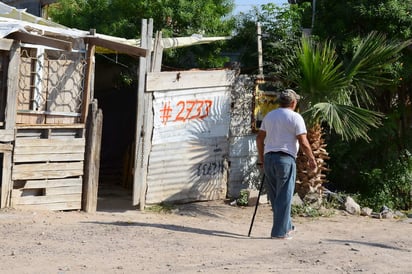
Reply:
x=189 y=147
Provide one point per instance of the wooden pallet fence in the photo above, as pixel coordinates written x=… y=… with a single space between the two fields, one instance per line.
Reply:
x=60 y=194
x=48 y=173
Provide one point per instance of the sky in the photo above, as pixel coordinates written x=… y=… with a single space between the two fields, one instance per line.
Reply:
x=245 y=5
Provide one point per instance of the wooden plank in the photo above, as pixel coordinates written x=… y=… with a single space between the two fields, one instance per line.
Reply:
x=48 y=166
x=24 y=175
x=63 y=190
x=147 y=44
x=73 y=205
x=35 y=200
x=6 y=182
x=48 y=157
x=175 y=80
x=92 y=158
x=41 y=40
x=57 y=119
x=138 y=179
x=47 y=170
x=20 y=142
x=6 y=147
x=50 y=183
x=146 y=140
x=32 y=119
x=157 y=53
x=52 y=149
x=12 y=87
x=117 y=46
x=6 y=44
x=61 y=149
x=27 y=192
x=50 y=126
x=6 y=135
x=88 y=83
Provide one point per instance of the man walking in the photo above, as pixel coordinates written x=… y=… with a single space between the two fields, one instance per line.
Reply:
x=282 y=132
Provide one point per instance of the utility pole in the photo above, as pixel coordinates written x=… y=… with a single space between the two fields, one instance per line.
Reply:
x=260 y=54
x=313 y=12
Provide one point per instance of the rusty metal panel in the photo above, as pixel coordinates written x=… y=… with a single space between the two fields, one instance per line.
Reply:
x=188 y=159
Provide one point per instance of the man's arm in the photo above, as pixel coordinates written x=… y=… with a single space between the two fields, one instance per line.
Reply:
x=260 y=143
x=305 y=146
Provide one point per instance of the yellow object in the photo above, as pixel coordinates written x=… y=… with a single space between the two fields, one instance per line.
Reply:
x=264 y=102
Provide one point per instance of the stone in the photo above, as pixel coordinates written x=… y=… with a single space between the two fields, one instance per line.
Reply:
x=387 y=214
x=253 y=195
x=366 y=211
x=296 y=200
x=352 y=207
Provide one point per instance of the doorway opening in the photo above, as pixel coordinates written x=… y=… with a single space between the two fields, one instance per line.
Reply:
x=118 y=104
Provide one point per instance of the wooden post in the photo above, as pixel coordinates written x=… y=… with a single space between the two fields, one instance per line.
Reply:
x=6 y=182
x=92 y=158
x=88 y=81
x=138 y=157
x=157 y=53
x=12 y=87
x=10 y=124
x=144 y=120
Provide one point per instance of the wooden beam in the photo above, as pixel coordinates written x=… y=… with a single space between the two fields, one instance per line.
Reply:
x=157 y=53
x=138 y=177
x=41 y=40
x=49 y=183
x=88 y=91
x=92 y=157
x=6 y=44
x=175 y=80
x=117 y=46
x=47 y=170
x=12 y=87
x=7 y=184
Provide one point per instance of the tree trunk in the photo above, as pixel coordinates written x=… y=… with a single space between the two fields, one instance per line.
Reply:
x=309 y=181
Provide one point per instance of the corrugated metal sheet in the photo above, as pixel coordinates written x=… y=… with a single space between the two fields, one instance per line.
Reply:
x=188 y=159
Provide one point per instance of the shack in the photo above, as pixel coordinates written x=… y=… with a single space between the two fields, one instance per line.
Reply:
x=51 y=124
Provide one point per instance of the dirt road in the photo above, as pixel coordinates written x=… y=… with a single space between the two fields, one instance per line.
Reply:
x=209 y=237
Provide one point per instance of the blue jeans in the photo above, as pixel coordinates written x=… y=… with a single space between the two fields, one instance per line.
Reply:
x=280 y=176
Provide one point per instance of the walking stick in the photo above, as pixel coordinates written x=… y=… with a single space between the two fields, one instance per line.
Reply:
x=257 y=204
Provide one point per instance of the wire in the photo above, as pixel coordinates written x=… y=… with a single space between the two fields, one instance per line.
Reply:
x=113 y=60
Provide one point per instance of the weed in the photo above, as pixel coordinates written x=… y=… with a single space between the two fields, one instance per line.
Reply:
x=161 y=208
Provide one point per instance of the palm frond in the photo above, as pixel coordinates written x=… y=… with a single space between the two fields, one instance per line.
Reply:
x=316 y=72
x=350 y=122
x=321 y=73
x=370 y=65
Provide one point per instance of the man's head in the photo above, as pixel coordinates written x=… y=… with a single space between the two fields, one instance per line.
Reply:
x=287 y=98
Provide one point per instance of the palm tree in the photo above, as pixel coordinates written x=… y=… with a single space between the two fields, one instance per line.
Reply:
x=337 y=94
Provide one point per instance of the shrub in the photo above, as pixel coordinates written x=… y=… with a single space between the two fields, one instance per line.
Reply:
x=390 y=185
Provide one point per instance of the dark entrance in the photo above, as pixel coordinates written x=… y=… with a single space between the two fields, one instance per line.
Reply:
x=118 y=103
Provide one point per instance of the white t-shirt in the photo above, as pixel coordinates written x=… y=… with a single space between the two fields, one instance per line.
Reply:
x=282 y=125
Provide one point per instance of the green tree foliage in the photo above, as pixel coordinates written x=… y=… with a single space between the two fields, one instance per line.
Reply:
x=175 y=18
x=281 y=29
x=346 y=22
x=354 y=71
x=336 y=92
